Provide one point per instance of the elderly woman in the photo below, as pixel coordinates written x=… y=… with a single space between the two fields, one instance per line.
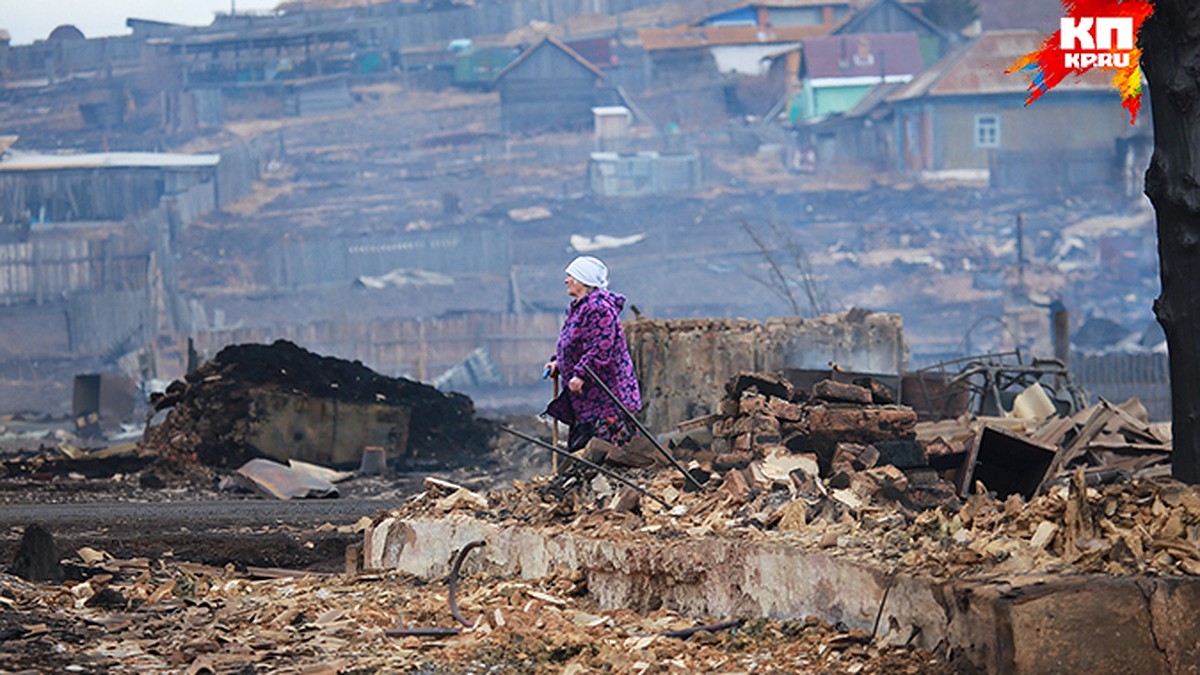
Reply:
x=592 y=336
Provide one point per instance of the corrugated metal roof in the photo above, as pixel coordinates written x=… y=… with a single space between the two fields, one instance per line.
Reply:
x=554 y=42
x=105 y=160
x=978 y=68
x=862 y=55
x=694 y=35
x=686 y=37
x=852 y=22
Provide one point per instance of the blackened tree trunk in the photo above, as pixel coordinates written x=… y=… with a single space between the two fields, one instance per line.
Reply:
x=1170 y=41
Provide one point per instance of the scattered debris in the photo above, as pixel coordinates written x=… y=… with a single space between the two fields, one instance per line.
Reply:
x=1028 y=451
x=869 y=482
x=399 y=278
x=139 y=615
x=282 y=482
x=601 y=242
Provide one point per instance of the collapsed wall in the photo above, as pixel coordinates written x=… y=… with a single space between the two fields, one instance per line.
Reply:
x=683 y=364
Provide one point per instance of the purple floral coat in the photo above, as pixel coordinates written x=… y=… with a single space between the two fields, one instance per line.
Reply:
x=592 y=336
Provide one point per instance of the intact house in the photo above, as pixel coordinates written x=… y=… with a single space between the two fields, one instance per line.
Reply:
x=965 y=119
x=894 y=16
x=550 y=86
x=830 y=75
x=884 y=42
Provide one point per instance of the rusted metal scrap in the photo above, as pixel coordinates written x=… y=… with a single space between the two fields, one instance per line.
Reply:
x=444 y=632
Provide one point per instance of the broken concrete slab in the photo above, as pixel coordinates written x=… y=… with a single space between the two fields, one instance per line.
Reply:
x=1030 y=624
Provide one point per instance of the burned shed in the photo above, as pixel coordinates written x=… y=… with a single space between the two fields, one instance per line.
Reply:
x=549 y=86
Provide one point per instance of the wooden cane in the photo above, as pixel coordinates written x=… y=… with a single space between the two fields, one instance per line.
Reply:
x=554 y=430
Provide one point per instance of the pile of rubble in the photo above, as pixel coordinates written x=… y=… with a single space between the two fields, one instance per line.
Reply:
x=162 y=615
x=855 y=437
x=213 y=410
x=776 y=467
x=1034 y=446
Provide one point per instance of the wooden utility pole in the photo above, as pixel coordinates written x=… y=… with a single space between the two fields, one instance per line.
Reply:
x=1170 y=41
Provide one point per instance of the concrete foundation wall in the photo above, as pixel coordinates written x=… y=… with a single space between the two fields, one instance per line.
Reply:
x=683 y=364
x=1016 y=624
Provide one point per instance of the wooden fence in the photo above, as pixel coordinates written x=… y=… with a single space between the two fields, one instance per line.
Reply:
x=417 y=348
x=43 y=271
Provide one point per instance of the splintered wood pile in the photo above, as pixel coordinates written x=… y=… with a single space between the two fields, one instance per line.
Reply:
x=1034 y=447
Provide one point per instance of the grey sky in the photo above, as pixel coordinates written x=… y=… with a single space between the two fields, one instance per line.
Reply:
x=29 y=20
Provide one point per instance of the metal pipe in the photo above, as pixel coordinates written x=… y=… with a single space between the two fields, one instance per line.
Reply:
x=436 y=631
x=641 y=428
x=592 y=465
x=458 y=561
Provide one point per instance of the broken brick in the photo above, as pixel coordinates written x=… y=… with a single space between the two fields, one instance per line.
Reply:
x=829 y=390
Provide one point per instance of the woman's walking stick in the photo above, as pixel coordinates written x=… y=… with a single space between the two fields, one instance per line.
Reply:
x=554 y=431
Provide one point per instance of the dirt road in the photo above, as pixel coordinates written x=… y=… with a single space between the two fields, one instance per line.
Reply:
x=297 y=534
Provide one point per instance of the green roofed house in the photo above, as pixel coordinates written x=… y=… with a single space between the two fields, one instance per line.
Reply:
x=836 y=72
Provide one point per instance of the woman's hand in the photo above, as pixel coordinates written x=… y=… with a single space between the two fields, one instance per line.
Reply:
x=575 y=384
x=550 y=369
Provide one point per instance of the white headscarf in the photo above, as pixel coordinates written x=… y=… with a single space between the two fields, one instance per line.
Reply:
x=589 y=271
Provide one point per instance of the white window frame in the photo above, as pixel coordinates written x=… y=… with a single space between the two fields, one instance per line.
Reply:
x=987 y=130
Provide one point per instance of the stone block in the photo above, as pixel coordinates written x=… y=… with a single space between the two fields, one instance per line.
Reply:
x=638 y=453
x=723 y=427
x=737 y=487
x=862 y=424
